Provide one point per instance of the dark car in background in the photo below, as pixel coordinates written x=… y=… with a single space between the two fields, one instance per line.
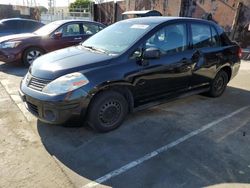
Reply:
x=27 y=47
x=130 y=65
x=18 y=25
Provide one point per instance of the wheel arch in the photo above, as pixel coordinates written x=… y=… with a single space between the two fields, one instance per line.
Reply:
x=124 y=88
x=33 y=46
x=228 y=70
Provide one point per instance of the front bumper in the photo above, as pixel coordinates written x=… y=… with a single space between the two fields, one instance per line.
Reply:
x=55 y=109
x=10 y=55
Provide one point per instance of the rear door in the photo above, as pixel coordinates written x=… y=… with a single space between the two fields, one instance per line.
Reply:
x=206 y=43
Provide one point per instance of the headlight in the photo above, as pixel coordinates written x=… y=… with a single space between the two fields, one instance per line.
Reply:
x=26 y=78
x=66 y=84
x=10 y=44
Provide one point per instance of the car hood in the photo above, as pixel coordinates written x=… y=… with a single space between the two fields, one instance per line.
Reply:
x=67 y=60
x=17 y=37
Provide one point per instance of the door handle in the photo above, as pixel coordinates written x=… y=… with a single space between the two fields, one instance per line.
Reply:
x=78 y=38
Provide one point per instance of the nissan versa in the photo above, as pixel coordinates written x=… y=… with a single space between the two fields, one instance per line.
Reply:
x=130 y=65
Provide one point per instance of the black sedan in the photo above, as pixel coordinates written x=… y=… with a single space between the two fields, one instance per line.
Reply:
x=12 y=26
x=130 y=65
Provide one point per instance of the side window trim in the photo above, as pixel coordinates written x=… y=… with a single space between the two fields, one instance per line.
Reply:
x=189 y=36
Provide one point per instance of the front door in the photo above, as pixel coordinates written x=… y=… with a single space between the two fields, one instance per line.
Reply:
x=172 y=71
x=71 y=34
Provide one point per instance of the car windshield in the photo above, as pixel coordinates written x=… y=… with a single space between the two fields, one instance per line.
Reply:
x=118 y=37
x=47 y=29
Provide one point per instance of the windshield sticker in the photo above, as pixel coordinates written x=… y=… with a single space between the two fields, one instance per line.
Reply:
x=139 y=26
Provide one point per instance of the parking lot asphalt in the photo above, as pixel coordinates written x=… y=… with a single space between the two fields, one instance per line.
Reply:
x=191 y=142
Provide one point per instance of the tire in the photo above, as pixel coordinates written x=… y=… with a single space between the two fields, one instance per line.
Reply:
x=30 y=55
x=219 y=84
x=107 y=111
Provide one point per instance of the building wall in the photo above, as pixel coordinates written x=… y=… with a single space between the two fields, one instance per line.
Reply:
x=104 y=12
x=9 y=11
x=223 y=11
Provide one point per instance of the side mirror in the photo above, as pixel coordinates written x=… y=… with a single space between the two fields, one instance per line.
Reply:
x=151 y=53
x=57 y=35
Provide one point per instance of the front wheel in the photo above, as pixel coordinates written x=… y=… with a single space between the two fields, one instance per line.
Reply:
x=219 y=84
x=107 y=111
x=31 y=54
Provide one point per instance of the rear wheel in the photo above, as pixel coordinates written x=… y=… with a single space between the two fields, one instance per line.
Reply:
x=31 y=54
x=219 y=84
x=107 y=111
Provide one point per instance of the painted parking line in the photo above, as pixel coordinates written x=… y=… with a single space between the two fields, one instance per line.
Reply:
x=160 y=150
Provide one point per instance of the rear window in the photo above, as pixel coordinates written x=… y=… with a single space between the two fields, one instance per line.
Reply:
x=30 y=25
x=10 y=25
x=20 y=26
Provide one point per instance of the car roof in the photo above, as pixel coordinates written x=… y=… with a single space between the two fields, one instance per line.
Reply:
x=59 y=22
x=22 y=19
x=140 y=12
x=161 y=19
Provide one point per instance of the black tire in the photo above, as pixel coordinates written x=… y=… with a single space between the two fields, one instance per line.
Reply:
x=219 y=84
x=31 y=54
x=107 y=111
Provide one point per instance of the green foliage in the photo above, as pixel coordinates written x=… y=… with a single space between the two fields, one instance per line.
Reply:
x=78 y=5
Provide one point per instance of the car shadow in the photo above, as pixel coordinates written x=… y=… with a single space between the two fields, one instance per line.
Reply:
x=91 y=155
x=13 y=69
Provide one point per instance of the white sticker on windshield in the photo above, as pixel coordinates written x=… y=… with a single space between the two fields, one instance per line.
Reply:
x=139 y=26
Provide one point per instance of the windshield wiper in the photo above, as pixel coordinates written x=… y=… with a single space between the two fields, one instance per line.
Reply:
x=96 y=49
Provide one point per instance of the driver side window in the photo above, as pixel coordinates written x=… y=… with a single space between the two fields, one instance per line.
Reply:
x=169 y=39
x=70 y=30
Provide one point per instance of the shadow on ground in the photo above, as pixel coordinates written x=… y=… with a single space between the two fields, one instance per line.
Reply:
x=13 y=69
x=198 y=162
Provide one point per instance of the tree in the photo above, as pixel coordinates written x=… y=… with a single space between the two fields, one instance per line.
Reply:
x=78 y=5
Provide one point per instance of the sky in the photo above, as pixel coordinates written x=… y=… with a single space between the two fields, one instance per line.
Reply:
x=59 y=3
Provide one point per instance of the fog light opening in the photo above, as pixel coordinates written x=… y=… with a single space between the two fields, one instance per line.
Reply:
x=49 y=115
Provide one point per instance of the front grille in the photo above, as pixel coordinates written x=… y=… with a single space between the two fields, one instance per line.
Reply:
x=37 y=83
x=33 y=108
